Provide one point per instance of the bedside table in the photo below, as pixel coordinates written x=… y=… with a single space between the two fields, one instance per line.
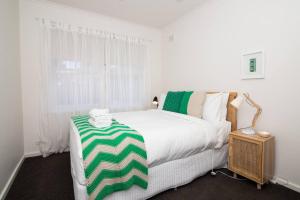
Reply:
x=251 y=156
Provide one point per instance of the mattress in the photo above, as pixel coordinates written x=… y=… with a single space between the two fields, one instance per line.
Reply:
x=168 y=137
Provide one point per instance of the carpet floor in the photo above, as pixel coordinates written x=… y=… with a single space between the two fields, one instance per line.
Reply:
x=50 y=179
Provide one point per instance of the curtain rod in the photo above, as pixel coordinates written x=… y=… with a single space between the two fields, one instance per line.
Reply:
x=96 y=30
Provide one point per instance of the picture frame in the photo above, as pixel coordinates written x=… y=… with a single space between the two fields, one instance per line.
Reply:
x=253 y=66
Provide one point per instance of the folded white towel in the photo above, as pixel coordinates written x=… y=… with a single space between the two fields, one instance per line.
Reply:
x=99 y=122
x=102 y=118
x=99 y=112
x=100 y=125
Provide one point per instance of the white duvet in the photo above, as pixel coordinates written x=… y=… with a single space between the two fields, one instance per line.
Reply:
x=168 y=136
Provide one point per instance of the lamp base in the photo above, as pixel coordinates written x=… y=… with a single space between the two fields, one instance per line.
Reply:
x=248 y=131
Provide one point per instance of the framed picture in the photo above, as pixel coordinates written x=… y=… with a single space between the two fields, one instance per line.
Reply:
x=253 y=65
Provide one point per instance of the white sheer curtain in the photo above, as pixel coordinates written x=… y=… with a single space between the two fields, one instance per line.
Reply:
x=126 y=75
x=83 y=69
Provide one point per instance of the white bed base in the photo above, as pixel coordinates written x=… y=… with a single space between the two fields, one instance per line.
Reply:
x=165 y=176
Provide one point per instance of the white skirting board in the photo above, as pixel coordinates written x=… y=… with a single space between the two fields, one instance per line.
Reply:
x=286 y=183
x=11 y=179
x=32 y=154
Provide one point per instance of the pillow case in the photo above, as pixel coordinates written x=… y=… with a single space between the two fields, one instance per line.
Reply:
x=195 y=104
x=185 y=102
x=215 y=107
x=224 y=106
x=173 y=101
x=161 y=102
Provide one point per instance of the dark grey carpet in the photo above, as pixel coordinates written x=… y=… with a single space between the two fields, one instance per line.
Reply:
x=50 y=178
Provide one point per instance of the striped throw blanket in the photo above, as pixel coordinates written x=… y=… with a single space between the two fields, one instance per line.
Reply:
x=114 y=157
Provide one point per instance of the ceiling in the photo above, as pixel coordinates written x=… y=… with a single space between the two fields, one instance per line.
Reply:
x=156 y=13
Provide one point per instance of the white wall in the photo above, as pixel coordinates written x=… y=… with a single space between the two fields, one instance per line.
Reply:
x=29 y=10
x=206 y=54
x=11 y=137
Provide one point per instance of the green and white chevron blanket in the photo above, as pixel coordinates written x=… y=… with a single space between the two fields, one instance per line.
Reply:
x=114 y=157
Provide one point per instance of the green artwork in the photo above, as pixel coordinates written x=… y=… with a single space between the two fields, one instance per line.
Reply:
x=252 y=65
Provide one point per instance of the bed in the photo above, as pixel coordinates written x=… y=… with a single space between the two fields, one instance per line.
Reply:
x=180 y=148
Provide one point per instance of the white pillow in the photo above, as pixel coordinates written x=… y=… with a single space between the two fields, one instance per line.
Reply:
x=161 y=101
x=224 y=106
x=215 y=107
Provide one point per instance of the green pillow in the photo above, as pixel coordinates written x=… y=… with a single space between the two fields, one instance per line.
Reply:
x=185 y=102
x=173 y=101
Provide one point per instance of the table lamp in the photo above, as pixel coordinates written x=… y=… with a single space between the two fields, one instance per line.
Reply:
x=155 y=101
x=238 y=102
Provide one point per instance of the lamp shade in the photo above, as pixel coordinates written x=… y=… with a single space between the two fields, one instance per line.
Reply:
x=155 y=100
x=237 y=102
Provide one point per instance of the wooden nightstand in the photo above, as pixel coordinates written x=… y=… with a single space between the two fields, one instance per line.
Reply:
x=251 y=156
